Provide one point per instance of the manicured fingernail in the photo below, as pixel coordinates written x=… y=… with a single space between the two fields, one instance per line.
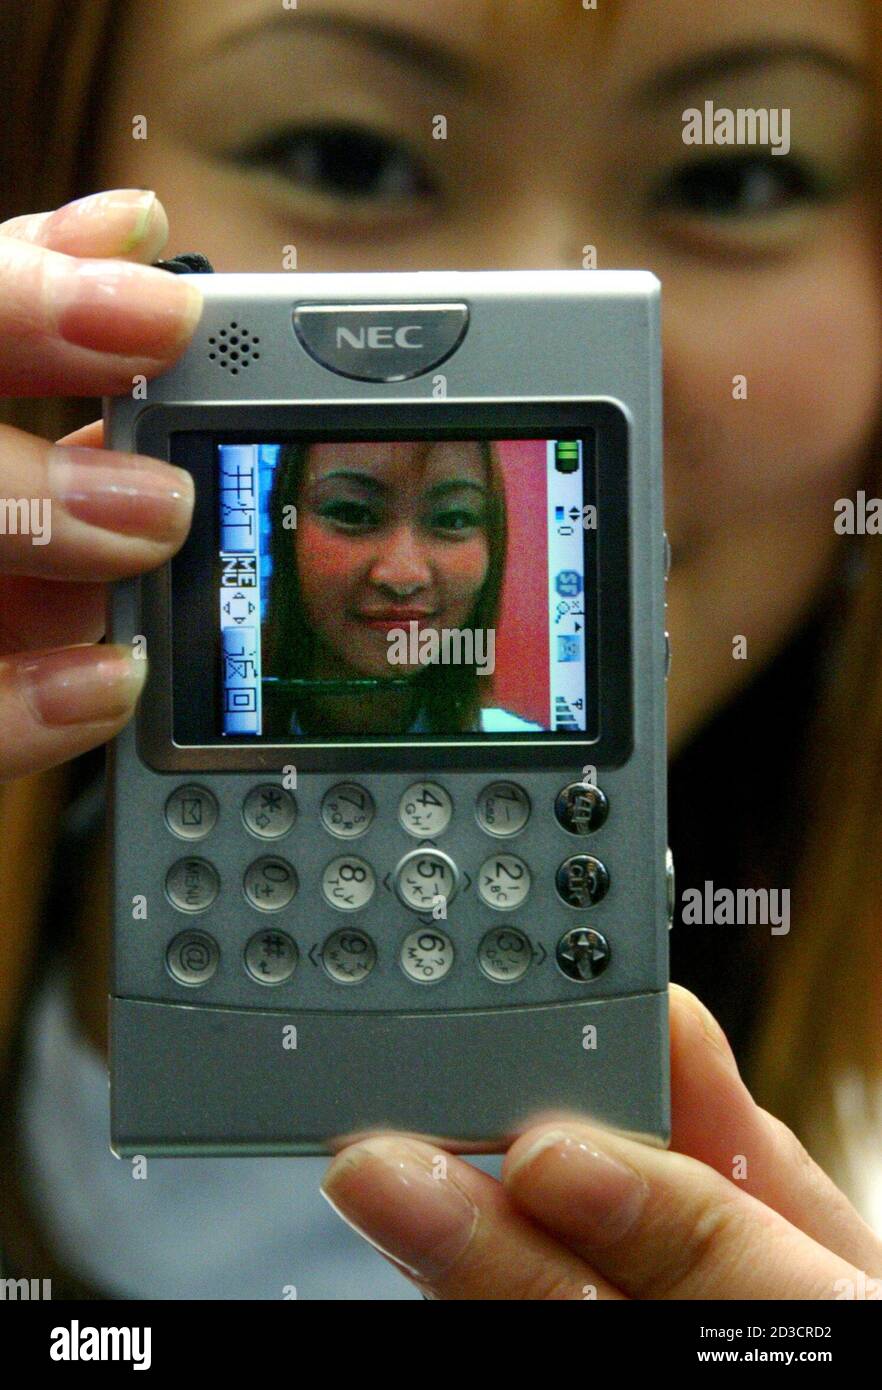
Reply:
x=392 y=1193
x=571 y=1179
x=121 y=307
x=116 y=222
x=154 y=500
x=81 y=685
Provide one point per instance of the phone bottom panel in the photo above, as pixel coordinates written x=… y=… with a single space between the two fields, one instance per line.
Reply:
x=201 y=1080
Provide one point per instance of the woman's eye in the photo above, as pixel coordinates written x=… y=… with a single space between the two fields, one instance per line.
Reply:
x=349 y=515
x=455 y=519
x=749 y=185
x=341 y=161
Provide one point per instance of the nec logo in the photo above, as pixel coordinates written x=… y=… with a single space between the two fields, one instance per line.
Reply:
x=379 y=336
x=380 y=342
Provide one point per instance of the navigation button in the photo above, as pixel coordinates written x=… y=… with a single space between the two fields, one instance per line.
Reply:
x=583 y=954
x=423 y=877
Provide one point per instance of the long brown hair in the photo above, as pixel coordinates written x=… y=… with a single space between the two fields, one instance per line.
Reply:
x=821 y=1019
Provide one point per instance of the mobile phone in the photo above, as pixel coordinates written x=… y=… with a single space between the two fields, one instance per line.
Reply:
x=388 y=830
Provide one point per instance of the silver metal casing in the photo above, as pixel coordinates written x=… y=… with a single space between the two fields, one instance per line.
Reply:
x=234 y=1066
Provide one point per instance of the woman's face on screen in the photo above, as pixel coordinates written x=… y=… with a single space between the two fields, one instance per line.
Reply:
x=388 y=535
x=317 y=129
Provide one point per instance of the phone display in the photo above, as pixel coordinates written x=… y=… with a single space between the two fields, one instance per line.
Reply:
x=406 y=586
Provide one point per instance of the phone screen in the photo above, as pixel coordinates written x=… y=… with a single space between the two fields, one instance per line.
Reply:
x=405 y=587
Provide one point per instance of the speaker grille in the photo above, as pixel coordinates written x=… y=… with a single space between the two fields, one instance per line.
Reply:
x=234 y=348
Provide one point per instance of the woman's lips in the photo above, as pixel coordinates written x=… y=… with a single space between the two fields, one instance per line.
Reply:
x=389 y=618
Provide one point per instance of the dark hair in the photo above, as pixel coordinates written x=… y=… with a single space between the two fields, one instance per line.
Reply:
x=447 y=696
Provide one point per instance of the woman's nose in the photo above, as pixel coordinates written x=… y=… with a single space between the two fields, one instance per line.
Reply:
x=401 y=563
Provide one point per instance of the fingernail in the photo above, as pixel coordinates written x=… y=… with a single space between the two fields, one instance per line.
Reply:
x=116 y=222
x=121 y=307
x=154 y=500
x=572 y=1179
x=388 y=1191
x=81 y=685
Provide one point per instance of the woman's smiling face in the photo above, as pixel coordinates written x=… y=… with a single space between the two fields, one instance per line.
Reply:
x=318 y=129
x=388 y=534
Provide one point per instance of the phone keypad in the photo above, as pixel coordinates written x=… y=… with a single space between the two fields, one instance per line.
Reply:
x=192 y=957
x=191 y=813
x=504 y=955
x=427 y=955
x=583 y=954
x=424 y=880
x=270 y=884
x=269 y=811
x=349 y=956
x=271 y=957
x=425 y=810
x=582 y=880
x=347 y=810
x=348 y=883
x=192 y=885
x=503 y=809
x=581 y=808
x=504 y=882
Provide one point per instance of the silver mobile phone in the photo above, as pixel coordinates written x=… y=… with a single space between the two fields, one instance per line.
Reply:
x=389 y=826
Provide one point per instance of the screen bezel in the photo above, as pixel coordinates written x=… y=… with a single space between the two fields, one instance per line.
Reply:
x=186 y=435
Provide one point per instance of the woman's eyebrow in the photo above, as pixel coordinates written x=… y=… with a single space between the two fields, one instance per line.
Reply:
x=389 y=40
x=454 y=485
x=352 y=475
x=684 y=76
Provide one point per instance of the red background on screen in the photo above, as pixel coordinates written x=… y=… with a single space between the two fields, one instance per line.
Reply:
x=521 y=680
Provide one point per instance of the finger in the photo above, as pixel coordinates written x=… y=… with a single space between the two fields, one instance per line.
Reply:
x=127 y=223
x=49 y=613
x=71 y=327
x=449 y=1226
x=57 y=704
x=87 y=514
x=662 y=1225
x=716 y=1120
x=89 y=436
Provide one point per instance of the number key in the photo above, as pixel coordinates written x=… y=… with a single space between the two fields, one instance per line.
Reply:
x=425 y=810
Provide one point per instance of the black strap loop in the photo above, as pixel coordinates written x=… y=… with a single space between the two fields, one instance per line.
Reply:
x=187 y=263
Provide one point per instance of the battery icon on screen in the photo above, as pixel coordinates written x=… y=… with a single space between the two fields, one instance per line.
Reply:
x=566 y=455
